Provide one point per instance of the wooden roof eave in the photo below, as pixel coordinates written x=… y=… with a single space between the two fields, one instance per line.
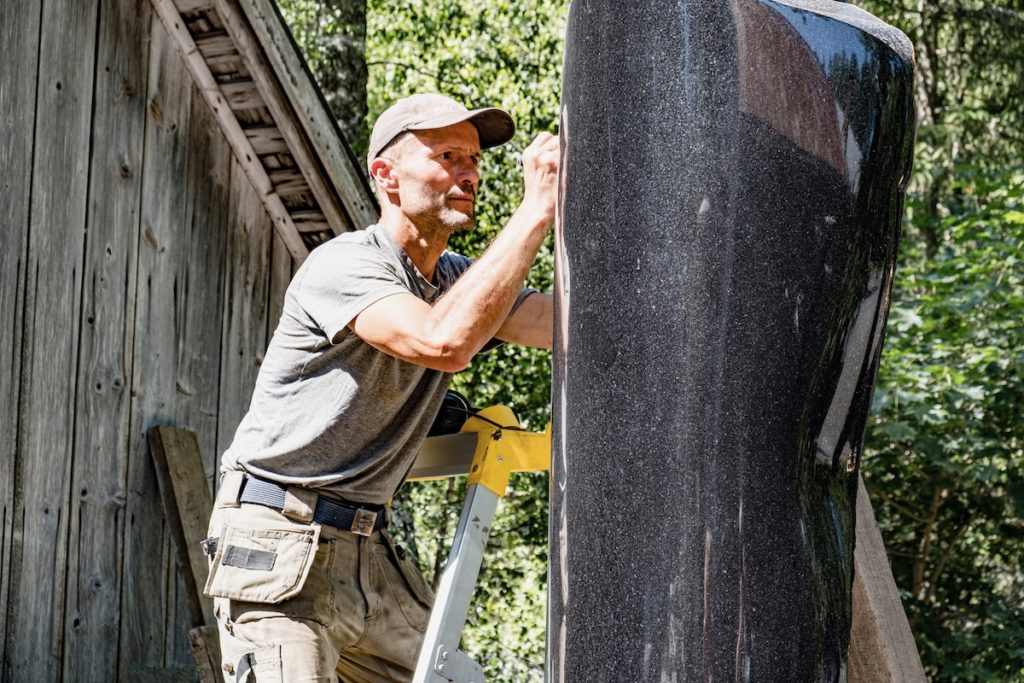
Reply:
x=311 y=109
x=252 y=35
x=241 y=146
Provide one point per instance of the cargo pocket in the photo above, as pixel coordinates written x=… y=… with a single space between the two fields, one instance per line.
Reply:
x=414 y=597
x=261 y=565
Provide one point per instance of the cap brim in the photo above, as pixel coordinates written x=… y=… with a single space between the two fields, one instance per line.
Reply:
x=494 y=125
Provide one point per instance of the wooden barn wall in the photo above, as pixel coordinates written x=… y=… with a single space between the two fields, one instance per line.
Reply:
x=140 y=281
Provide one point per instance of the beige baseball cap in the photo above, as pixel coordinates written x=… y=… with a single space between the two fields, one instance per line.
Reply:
x=427 y=111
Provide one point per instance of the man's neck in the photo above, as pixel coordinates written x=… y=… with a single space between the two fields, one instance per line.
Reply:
x=423 y=246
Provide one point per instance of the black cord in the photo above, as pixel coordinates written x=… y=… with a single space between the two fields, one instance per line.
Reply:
x=485 y=419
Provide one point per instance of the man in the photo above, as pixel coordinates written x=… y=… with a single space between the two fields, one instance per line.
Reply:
x=306 y=580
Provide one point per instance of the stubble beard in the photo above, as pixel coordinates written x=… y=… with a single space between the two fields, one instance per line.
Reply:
x=438 y=217
x=454 y=220
x=442 y=223
x=460 y=222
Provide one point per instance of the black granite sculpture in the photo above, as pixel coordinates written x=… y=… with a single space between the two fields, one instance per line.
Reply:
x=733 y=183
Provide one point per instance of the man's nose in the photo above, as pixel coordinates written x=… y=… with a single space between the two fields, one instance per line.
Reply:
x=467 y=174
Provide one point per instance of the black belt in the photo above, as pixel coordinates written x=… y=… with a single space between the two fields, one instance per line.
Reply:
x=358 y=519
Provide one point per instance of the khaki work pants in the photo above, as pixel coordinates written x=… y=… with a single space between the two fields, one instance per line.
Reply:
x=346 y=605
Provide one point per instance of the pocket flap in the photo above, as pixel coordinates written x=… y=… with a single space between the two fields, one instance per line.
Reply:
x=261 y=565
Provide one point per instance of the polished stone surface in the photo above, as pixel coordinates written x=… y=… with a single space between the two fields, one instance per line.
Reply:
x=733 y=183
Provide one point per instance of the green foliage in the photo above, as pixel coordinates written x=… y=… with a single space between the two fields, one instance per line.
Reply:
x=970 y=93
x=332 y=34
x=944 y=459
x=946 y=448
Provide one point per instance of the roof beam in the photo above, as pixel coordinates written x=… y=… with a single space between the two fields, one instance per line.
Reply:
x=236 y=137
x=292 y=132
x=313 y=113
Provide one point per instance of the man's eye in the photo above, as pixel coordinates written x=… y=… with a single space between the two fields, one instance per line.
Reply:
x=475 y=159
x=447 y=156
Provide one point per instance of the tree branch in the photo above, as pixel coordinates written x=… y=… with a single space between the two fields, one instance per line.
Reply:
x=938 y=496
x=948 y=553
x=900 y=507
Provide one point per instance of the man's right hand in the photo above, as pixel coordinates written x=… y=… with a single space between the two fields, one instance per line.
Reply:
x=540 y=177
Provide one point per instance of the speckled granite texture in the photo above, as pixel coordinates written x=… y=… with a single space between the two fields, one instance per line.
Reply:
x=733 y=185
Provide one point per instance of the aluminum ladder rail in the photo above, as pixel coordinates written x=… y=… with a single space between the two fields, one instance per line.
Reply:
x=490 y=447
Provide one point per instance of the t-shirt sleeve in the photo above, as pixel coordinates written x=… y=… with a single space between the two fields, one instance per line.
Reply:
x=335 y=290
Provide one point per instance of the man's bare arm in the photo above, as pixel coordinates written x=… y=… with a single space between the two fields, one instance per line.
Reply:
x=448 y=334
x=530 y=324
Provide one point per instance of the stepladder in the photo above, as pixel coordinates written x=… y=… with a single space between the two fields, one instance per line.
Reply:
x=488 y=449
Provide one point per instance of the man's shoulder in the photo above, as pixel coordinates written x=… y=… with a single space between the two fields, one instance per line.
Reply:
x=367 y=237
x=353 y=246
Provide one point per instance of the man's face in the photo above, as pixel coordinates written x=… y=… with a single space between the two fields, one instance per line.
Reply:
x=437 y=176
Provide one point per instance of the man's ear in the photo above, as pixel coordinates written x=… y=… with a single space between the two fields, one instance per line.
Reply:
x=383 y=174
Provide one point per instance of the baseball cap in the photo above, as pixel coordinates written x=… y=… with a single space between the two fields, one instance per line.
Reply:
x=428 y=111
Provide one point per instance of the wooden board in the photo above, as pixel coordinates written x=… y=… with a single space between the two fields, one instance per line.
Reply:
x=882 y=646
x=59 y=196
x=242 y=95
x=146 y=570
x=206 y=241
x=187 y=505
x=100 y=457
x=203 y=243
x=206 y=651
x=19 y=34
x=245 y=304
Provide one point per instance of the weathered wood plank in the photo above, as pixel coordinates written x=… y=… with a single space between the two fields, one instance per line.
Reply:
x=146 y=568
x=290 y=181
x=187 y=505
x=101 y=430
x=203 y=239
x=19 y=34
x=205 y=644
x=882 y=646
x=229 y=124
x=280 y=277
x=188 y=6
x=245 y=299
x=242 y=95
x=227 y=68
x=266 y=140
x=311 y=110
x=214 y=45
x=53 y=295
x=199 y=353
x=312 y=226
x=283 y=112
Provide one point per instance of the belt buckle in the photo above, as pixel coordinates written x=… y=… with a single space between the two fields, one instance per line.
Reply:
x=363 y=522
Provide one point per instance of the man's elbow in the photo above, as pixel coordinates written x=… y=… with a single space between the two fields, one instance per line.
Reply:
x=451 y=364
x=449 y=354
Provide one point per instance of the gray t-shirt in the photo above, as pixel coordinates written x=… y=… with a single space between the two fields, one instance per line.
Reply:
x=329 y=411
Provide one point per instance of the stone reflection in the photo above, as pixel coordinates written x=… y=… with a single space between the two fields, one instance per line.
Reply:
x=733 y=185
